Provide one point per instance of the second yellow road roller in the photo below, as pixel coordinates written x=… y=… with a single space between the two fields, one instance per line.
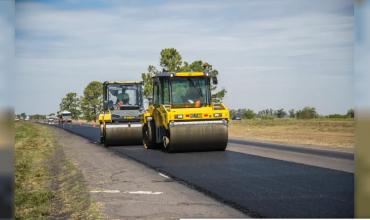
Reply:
x=182 y=117
x=122 y=106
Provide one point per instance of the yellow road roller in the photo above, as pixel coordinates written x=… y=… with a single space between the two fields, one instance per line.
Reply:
x=181 y=115
x=122 y=106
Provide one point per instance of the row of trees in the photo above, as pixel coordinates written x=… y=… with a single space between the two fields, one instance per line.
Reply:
x=89 y=104
x=305 y=113
x=86 y=106
x=24 y=116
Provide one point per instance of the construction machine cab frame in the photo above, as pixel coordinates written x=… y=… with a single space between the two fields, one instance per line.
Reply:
x=182 y=116
x=135 y=103
x=165 y=84
x=122 y=106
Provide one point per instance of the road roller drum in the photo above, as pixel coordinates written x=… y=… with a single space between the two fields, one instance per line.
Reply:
x=123 y=134
x=196 y=136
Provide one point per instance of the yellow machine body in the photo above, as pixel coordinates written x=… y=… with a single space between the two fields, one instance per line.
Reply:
x=186 y=127
x=167 y=114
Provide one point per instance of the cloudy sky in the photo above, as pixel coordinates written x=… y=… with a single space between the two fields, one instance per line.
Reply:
x=270 y=54
x=6 y=50
x=362 y=55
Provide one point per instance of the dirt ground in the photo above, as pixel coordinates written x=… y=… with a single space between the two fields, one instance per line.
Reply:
x=320 y=132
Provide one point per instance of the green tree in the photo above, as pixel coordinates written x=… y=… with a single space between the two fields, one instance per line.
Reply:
x=200 y=66
x=219 y=94
x=23 y=115
x=91 y=102
x=337 y=116
x=71 y=103
x=248 y=114
x=37 y=117
x=147 y=80
x=196 y=66
x=171 y=59
x=307 y=113
x=266 y=113
x=291 y=113
x=351 y=113
x=281 y=113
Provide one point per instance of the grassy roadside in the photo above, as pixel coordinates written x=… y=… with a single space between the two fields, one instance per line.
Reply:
x=47 y=185
x=317 y=132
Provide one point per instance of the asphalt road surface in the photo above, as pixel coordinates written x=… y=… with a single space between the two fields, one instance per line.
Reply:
x=259 y=179
x=124 y=189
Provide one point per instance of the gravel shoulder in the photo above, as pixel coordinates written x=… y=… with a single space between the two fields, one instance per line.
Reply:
x=126 y=189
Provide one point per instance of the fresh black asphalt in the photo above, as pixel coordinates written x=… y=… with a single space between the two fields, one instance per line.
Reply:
x=321 y=152
x=259 y=186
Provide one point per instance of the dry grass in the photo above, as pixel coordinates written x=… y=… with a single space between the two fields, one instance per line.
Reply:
x=47 y=185
x=319 y=132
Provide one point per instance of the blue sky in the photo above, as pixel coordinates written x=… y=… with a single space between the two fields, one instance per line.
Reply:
x=362 y=56
x=6 y=50
x=270 y=54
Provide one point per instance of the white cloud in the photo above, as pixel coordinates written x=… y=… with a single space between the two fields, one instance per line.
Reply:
x=259 y=48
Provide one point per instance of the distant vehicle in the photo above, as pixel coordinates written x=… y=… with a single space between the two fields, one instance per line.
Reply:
x=65 y=117
x=236 y=118
x=51 y=121
x=27 y=118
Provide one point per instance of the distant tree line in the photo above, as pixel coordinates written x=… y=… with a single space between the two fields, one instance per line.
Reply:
x=23 y=116
x=305 y=113
x=87 y=106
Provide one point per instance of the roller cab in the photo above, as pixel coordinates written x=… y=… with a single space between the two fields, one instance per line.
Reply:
x=182 y=117
x=120 y=120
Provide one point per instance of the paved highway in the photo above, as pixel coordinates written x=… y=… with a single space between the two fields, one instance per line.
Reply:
x=260 y=179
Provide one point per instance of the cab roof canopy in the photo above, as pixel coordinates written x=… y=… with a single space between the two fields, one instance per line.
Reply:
x=180 y=74
x=122 y=82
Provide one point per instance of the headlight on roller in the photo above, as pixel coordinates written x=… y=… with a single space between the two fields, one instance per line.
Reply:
x=178 y=116
x=217 y=115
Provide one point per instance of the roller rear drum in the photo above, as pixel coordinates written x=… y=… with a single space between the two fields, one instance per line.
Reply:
x=196 y=136
x=123 y=134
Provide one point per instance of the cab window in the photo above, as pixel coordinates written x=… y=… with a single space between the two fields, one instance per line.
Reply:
x=165 y=90
x=156 y=95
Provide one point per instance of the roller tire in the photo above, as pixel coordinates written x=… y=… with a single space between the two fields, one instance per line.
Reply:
x=148 y=134
x=105 y=145
x=167 y=147
x=102 y=138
